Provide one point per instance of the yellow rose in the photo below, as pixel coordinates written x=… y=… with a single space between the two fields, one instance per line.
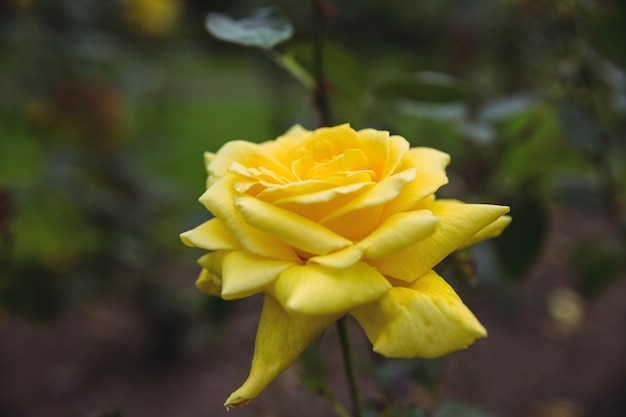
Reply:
x=333 y=222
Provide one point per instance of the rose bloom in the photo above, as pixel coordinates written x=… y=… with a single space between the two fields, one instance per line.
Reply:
x=332 y=222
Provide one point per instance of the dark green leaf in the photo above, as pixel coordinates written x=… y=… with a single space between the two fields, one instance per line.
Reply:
x=597 y=264
x=264 y=28
x=521 y=241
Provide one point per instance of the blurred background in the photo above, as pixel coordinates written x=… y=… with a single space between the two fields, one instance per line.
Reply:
x=108 y=106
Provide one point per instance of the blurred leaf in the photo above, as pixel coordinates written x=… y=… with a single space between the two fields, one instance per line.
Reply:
x=453 y=112
x=265 y=28
x=598 y=265
x=425 y=87
x=404 y=411
x=504 y=108
x=296 y=70
x=520 y=243
x=428 y=372
x=579 y=128
x=477 y=131
x=607 y=34
x=459 y=410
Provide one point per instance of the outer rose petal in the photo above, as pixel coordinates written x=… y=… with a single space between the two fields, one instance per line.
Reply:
x=427 y=319
x=245 y=274
x=489 y=232
x=210 y=235
x=219 y=163
x=281 y=338
x=431 y=175
x=398 y=232
x=457 y=223
x=210 y=279
x=219 y=200
x=291 y=228
x=318 y=289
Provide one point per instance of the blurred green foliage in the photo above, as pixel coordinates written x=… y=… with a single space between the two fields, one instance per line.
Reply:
x=108 y=107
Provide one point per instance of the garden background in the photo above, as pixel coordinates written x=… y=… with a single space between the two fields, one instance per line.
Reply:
x=108 y=106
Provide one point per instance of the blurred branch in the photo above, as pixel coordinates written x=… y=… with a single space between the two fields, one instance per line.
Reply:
x=320 y=9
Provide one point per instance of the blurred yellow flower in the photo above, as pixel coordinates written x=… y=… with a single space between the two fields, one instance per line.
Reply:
x=333 y=222
x=153 y=17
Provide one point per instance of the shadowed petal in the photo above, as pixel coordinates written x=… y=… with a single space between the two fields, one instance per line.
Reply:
x=210 y=279
x=426 y=319
x=281 y=338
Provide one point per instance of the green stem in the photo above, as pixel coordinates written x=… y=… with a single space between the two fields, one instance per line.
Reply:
x=346 y=352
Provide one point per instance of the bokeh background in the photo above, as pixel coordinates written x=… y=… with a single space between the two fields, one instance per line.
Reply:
x=108 y=106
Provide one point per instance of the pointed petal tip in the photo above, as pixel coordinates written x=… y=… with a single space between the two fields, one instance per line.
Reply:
x=235 y=401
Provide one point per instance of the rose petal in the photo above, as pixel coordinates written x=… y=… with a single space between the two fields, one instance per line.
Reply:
x=233 y=151
x=292 y=190
x=210 y=279
x=281 y=338
x=457 y=223
x=245 y=274
x=427 y=320
x=431 y=175
x=219 y=199
x=210 y=235
x=291 y=228
x=384 y=191
x=316 y=206
x=398 y=232
x=489 y=232
x=318 y=289
x=349 y=160
x=340 y=259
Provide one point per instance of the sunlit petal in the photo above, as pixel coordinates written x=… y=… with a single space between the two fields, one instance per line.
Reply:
x=382 y=192
x=318 y=289
x=291 y=228
x=426 y=319
x=219 y=199
x=431 y=175
x=457 y=223
x=210 y=235
x=245 y=274
x=489 y=232
x=398 y=232
x=233 y=151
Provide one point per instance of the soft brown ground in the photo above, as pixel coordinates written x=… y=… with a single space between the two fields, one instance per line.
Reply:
x=97 y=360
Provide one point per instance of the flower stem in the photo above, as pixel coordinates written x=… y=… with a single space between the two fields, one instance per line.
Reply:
x=320 y=94
x=346 y=352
